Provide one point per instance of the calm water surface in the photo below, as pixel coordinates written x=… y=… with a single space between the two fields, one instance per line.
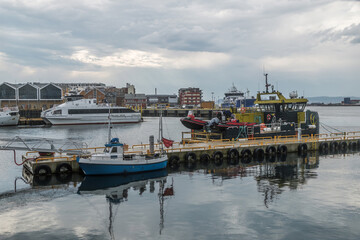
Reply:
x=316 y=197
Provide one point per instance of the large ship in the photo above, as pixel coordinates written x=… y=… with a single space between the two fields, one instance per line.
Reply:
x=273 y=115
x=87 y=111
x=236 y=98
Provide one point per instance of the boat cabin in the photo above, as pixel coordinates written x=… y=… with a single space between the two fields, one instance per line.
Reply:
x=114 y=148
x=275 y=106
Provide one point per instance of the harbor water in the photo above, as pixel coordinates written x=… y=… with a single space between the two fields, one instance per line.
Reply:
x=311 y=197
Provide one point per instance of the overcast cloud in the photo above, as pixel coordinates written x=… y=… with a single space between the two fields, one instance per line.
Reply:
x=312 y=46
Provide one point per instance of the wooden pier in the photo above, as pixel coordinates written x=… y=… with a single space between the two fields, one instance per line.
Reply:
x=192 y=150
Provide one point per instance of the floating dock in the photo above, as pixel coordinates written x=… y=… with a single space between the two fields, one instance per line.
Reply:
x=191 y=150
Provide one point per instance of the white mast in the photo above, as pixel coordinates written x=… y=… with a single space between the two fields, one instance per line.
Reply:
x=109 y=126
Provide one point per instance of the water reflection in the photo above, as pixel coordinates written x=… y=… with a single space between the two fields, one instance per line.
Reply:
x=270 y=178
x=115 y=188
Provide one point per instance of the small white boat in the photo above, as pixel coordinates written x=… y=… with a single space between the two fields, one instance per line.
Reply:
x=87 y=111
x=9 y=116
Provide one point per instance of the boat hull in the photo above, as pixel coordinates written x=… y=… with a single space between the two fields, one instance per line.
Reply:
x=194 y=124
x=9 y=120
x=92 y=119
x=93 y=168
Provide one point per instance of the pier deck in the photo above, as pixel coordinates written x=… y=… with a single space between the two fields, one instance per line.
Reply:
x=217 y=151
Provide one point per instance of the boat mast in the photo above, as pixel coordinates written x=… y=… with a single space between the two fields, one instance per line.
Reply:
x=109 y=126
x=160 y=128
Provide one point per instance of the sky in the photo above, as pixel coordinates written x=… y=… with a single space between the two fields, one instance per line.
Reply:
x=312 y=46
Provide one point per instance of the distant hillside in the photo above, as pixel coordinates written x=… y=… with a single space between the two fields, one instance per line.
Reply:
x=327 y=100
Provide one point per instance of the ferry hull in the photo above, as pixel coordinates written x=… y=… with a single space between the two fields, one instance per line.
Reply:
x=91 y=120
x=110 y=169
x=9 y=120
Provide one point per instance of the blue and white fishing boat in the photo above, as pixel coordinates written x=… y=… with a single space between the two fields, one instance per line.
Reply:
x=114 y=161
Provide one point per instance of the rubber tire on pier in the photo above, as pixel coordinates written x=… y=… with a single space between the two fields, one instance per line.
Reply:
x=270 y=150
x=205 y=159
x=63 y=168
x=302 y=149
x=324 y=148
x=343 y=146
x=353 y=146
x=358 y=145
x=282 y=149
x=174 y=162
x=233 y=156
x=334 y=146
x=218 y=158
x=259 y=154
x=190 y=157
x=246 y=155
x=42 y=170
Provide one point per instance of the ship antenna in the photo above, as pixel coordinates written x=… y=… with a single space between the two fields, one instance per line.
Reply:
x=266 y=83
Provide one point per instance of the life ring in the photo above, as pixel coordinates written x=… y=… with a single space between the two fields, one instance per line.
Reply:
x=63 y=168
x=270 y=150
x=205 y=158
x=174 y=162
x=190 y=157
x=302 y=149
x=42 y=170
x=218 y=158
x=233 y=156
x=282 y=149
x=324 y=148
x=259 y=154
x=243 y=110
x=268 y=117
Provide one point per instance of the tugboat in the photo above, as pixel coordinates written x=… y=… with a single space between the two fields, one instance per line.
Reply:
x=273 y=115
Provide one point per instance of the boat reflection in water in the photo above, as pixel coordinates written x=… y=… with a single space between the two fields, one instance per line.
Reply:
x=115 y=188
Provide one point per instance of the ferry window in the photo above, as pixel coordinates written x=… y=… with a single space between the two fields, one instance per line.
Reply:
x=114 y=150
x=58 y=111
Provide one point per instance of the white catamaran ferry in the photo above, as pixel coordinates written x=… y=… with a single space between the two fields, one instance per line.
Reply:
x=87 y=111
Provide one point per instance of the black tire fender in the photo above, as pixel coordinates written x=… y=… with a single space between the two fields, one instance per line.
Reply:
x=42 y=170
x=63 y=168
x=233 y=156
x=205 y=158
x=334 y=146
x=302 y=148
x=218 y=157
x=324 y=147
x=259 y=154
x=190 y=157
x=270 y=150
x=343 y=146
x=246 y=153
x=282 y=149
